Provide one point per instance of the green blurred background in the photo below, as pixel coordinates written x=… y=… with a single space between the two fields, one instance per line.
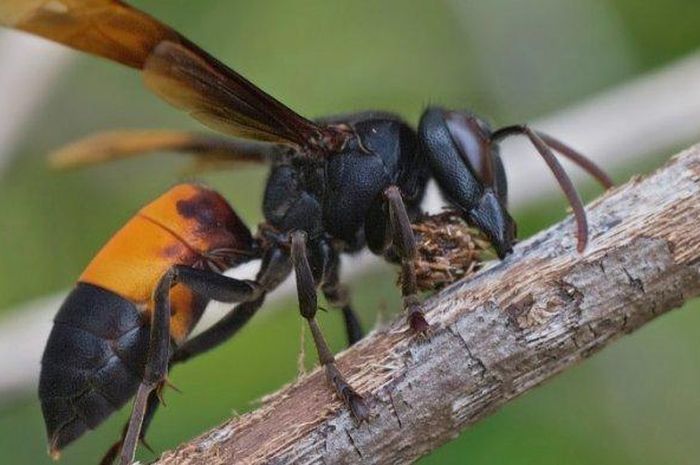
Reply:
x=636 y=403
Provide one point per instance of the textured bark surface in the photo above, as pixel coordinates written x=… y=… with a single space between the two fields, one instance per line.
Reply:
x=494 y=336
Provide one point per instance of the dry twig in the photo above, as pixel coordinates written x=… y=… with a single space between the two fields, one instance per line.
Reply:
x=495 y=335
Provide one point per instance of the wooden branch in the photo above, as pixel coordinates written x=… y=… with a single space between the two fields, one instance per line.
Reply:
x=495 y=335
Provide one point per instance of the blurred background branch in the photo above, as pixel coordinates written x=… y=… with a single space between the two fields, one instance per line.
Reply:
x=494 y=336
x=30 y=68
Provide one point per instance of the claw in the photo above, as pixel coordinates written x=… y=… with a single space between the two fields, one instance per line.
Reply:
x=355 y=402
x=145 y=444
x=111 y=453
x=167 y=383
x=159 y=394
x=416 y=320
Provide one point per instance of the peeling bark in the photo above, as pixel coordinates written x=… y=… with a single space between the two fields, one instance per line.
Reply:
x=494 y=336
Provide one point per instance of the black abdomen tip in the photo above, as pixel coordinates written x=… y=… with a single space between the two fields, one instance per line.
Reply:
x=92 y=363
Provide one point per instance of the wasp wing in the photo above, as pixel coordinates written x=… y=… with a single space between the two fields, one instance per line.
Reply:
x=174 y=68
x=221 y=99
x=108 y=28
x=210 y=149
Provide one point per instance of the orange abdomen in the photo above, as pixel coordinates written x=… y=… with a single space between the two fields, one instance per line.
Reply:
x=188 y=225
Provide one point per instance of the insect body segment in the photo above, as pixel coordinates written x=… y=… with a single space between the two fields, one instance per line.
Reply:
x=92 y=363
x=188 y=225
x=97 y=352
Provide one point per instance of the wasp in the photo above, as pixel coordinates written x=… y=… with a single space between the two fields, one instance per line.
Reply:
x=336 y=185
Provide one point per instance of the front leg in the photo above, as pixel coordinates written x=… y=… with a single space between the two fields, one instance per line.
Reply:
x=404 y=242
x=308 y=305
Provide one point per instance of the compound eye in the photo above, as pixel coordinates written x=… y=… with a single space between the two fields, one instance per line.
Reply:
x=472 y=137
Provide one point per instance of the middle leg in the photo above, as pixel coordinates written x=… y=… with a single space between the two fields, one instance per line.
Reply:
x=308 y=305
x=338 y=296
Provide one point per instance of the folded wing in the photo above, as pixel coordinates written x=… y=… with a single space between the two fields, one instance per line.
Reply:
x=174 y=68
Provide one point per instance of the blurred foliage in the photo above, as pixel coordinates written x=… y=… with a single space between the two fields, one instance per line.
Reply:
x=635 y=403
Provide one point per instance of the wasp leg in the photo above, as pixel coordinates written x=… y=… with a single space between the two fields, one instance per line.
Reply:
x=213 y=336
x=156 y=365
x=308 y=305
x=275 y=268
x=151 y=407
x=404 y=244
x=215 y=286
x=338 y=296
x=206 y=283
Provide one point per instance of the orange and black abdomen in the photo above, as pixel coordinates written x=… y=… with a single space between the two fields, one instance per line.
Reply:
x=188 y=225
x=94 y=358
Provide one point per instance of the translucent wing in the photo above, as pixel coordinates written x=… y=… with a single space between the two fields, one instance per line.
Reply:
x=174 y=68
x=210 y=150
x=221 y=99
x=108 y=28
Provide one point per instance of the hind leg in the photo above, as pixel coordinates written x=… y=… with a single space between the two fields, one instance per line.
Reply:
x=156 y=367
x=206 y=283
x=275 y=268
